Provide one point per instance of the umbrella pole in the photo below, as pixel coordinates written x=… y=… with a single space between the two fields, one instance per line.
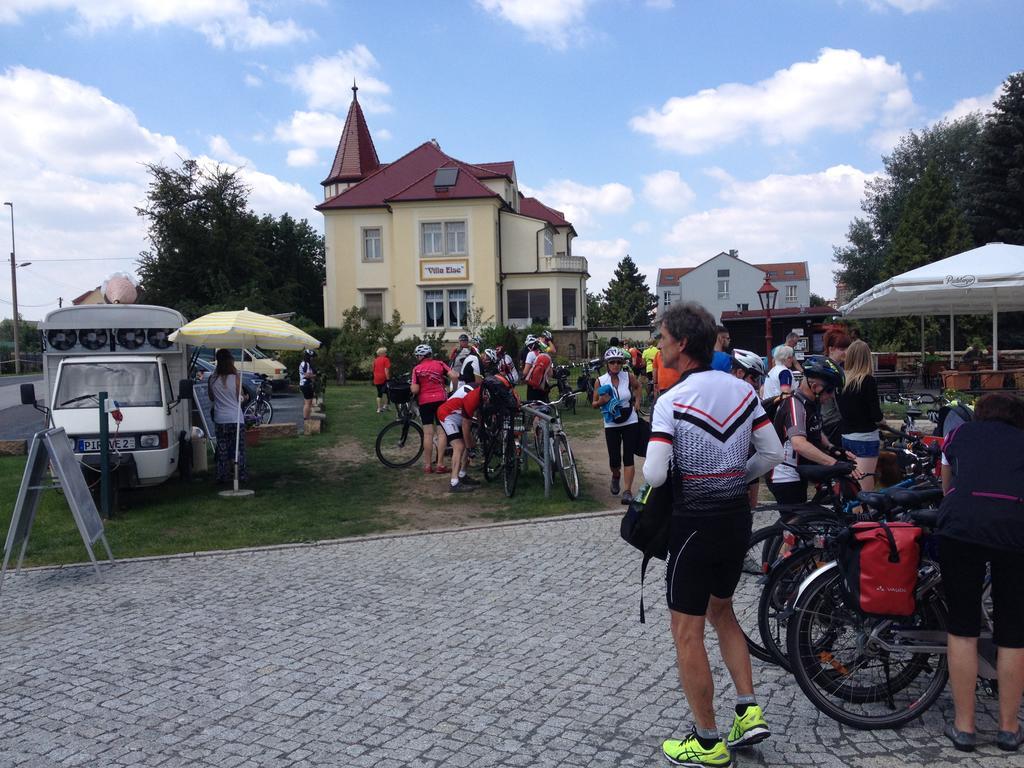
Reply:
x=952 y=362
x=238 y=417
x=995 y=332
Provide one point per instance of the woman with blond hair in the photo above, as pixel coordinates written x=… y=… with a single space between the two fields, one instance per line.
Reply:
x=861 y=412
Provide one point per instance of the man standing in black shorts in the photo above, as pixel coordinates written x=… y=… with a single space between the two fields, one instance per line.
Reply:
x=704 y=427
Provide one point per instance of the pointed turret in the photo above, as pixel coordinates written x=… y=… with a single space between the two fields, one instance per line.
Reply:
x=356 y=157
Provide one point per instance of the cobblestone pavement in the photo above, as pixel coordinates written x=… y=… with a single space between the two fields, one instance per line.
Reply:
x=506 y=646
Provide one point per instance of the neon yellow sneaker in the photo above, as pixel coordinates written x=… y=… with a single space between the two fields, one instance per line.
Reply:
x=748 y=729
x=689 y=752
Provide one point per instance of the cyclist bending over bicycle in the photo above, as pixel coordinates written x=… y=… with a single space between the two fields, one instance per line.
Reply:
x=799 y=425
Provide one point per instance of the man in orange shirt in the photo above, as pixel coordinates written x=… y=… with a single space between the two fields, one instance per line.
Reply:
x=664 y=377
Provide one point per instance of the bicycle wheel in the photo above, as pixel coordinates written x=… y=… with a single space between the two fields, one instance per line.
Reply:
x=260 y=409
x=644 y=406
x=510 y=462
x=756 y=564
x=866 y=672
x=565 y=463
x=492 y=452
x=777 y=599
x=400 y=444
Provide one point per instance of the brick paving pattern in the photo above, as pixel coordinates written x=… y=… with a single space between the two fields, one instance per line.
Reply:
x=506 y=646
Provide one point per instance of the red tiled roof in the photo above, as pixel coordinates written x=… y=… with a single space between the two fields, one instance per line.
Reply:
x=505 y=169
x=535 y=209
x=356 y=156
x=466 y=187
x=671 y=276
x=778 y=271
x=785 y=312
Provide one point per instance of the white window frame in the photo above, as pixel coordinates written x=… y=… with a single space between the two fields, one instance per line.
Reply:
x=792 y=295
x=549 y=243
x=723 y=288
x=363 y=293
x=367 y=239
x=443 y=295
x=452 y=322
x=451 y=238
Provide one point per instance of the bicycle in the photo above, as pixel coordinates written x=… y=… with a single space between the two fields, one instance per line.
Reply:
x=869 y=672
x=259 y=410
x=400 y=443
x=646 y=404
x=559 y=451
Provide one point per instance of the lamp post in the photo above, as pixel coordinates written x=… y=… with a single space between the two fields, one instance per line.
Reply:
x=14 y=297
x=767 y=294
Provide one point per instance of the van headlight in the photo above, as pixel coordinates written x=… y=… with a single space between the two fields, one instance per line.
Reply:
x=153 y=441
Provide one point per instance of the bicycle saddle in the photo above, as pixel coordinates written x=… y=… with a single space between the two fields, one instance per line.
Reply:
x=929 y=518
x=883 y=502
x=817 y=473
x=915 y=499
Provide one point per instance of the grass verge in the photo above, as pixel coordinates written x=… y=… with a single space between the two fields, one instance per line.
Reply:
x=307 y=489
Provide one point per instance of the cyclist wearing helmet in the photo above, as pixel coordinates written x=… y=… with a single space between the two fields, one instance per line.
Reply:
x=460 y=352
x=548 y=341
x=615 y=393
x=428 y=387
x=537 y=371
x=800 y=425
x=506 y=365
x=489 y=360
x=748 y=366
x=306 y=376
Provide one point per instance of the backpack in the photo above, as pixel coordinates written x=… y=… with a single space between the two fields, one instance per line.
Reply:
x=879 y=564
x=775 y=413
x=540 y=366
x=646 y=525
x=496 y=397
x=952 y=416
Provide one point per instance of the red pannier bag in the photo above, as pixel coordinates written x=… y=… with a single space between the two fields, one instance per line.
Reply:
x=879 y=562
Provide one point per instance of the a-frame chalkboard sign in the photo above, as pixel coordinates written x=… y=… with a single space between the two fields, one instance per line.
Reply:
x=53 y=446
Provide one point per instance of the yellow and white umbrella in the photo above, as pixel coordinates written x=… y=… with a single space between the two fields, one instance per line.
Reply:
x=242 y=328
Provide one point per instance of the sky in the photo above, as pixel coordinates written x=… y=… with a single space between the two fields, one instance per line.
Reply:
x=669 y=130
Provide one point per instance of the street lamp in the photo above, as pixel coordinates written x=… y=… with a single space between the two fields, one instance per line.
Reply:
x=767 y=294
x=14 y=296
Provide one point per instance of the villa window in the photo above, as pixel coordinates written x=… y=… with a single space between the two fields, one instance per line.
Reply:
x=723 y=289
x=372 y=250
x=443 y=238
x=791 y=293
x=458 y=307
x=549 y=243
x=568 y=307
x=530 y=306
x=434 y=300
x=374 y=305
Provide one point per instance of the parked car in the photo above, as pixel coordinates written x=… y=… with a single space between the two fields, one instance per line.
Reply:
x=251 y=382
x=255 y=361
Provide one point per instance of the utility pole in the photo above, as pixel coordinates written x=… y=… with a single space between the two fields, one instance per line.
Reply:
x=14 y=298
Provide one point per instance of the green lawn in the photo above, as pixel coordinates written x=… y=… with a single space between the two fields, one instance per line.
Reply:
x=307 y=488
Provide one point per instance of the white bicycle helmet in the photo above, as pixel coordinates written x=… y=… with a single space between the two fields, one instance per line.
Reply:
x=476 y=341
x=547 y=335
x=614 y=353
x=748 y=361
x=531 y=340
x=491 y=355
x=423 y=350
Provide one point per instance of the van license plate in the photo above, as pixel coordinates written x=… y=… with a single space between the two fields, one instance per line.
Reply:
x=86 y=445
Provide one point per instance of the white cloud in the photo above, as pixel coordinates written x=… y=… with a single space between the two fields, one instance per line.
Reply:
x=222 y=22
x=311 y=129
x=841 y=91
x=304 y=157
x=382 y=134
x=252 y=81
x=582 y=204
x=221 y=149
x=73 y=162
x=325 y=81
x=555 y=23
x=982 y=104
x=777 y=218
x=602 y=257
x=641 y=227
x=667 y=191
x=906 y=6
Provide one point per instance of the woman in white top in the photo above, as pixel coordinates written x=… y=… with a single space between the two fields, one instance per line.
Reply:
x=225 y=388
x=780 y=378
x=615 y=393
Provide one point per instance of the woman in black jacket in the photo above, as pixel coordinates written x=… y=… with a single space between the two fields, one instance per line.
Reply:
x=981 y=522
x=861 y=412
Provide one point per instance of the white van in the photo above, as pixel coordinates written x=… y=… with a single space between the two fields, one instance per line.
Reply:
x=123 y=350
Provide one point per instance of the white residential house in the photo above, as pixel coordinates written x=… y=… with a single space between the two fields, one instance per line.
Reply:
x=726 y=283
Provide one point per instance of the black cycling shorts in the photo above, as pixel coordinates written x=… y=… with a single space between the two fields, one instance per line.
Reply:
x=963 y=579
x=705 y=557
x=307 y=391
x=536 y=394
x=382 y=389
x=428 y=412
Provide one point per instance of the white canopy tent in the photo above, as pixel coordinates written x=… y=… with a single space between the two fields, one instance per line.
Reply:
x=975 y=282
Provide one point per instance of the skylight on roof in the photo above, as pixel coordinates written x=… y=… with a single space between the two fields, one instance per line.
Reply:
x=445 y=177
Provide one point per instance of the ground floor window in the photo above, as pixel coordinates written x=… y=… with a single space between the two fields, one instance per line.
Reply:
x=532 y=305
x=568 y=307
x=435 y=302
x=374 y=304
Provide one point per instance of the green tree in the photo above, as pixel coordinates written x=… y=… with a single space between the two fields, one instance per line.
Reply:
x=997 y=183
x=627 y=299
x=595 y=309
x=862 y=262
x=819 y=301
x=293 y=253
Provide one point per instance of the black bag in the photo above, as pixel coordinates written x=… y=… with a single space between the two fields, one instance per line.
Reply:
x=643 y=435
x=646 y=525
x=773 y=409
x=625 y=411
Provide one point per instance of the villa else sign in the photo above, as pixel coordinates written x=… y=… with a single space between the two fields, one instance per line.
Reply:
x=959 y=281
x=456 y=269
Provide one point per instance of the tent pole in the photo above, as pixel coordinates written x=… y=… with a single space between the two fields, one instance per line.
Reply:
x=952 y=362
x=995 y=332
x=238 y=415
x=922 y=340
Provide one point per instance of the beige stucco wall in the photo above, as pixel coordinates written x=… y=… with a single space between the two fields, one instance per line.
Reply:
x=520 y=239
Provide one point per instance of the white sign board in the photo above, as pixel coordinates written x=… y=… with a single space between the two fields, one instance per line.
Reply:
x=456 y=269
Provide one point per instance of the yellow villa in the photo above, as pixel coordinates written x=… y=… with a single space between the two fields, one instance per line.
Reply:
x=432 y=236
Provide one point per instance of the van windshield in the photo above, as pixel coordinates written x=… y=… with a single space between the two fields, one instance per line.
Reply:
x=130 y=384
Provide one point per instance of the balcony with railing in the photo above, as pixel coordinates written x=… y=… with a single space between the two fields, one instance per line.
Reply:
x=563 y=264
